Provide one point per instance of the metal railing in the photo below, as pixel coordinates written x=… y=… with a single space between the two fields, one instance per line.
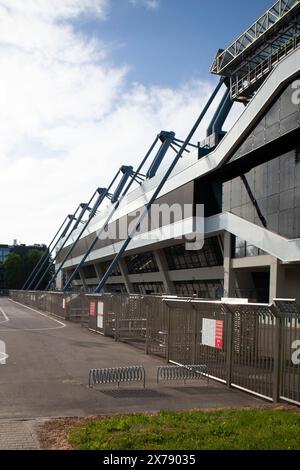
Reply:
x=254 y=347
x=117 y=375
x=179 y=373
x=240 y=85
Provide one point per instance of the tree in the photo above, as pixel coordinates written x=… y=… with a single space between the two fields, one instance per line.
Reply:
x=14 y=271
x=18 y=267
x=31 y=260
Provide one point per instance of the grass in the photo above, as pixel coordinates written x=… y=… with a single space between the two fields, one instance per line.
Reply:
x=265 y=429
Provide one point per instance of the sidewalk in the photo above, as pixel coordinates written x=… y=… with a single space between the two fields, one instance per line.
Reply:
x=18 y=435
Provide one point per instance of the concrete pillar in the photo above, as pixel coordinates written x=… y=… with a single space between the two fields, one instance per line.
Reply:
x=277 y=280
x=162 y=264
x=125 y=275
x=82 y=278
x=229 y=275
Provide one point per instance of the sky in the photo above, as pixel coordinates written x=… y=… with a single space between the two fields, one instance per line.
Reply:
x=85 y=87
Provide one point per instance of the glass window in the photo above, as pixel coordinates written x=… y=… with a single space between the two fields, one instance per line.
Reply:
x=179 y=258
x=142 y=263
x=115 y=272
x=201 y=289
x=89 y=271
x=148 y=288
x=244 y=249
x=116 y=288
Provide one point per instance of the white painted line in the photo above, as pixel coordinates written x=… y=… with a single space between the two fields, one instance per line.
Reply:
x=3 y=357
x=15 y=330
x=6 y=319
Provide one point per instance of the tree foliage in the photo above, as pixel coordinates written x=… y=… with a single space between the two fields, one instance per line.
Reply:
x=14 y=271
x=18 y=268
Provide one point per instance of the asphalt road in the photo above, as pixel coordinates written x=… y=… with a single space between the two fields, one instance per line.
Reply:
x=46 y=372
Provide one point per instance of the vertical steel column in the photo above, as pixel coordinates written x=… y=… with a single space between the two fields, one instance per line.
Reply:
x=158 y=189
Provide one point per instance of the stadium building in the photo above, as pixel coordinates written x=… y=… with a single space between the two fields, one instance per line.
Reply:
x=248 y=180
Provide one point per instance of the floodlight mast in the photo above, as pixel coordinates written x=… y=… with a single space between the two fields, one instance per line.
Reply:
x=158 y=189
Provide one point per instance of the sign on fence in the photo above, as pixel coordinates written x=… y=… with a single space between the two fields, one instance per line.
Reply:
x=92 y=309
x=212 y=333
x=100 y=315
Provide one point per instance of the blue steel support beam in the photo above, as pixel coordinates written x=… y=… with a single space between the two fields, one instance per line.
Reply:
x=35 y=280
x=220 y=115
x=223 y=113
x=100 y=198
x=41 y=260
x=127 y=172
x=103 y=193
x=166 y=138
x=84 y=207
x=112 y=212
x=158 y=189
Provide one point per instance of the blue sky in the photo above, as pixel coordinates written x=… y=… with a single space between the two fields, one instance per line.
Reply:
x=85 y=87
x=177 y=40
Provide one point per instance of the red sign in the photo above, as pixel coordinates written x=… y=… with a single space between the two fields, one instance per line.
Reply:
x=219 y=334
x=92 y=309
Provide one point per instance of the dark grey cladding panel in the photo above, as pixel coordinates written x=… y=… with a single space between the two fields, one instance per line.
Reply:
x=183 y=195
x=276 y=187
x=282 y=118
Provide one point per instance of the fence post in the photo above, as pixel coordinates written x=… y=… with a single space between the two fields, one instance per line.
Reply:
x=277 y=357
x=147 y=307
x=230 y=315
x=168 y=332
x=195 y=336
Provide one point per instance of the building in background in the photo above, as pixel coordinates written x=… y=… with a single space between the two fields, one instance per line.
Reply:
x=248 y=180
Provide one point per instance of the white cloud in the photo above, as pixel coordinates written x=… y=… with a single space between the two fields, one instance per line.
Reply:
x=55 y=9
x=67 y=120
x=151 y=4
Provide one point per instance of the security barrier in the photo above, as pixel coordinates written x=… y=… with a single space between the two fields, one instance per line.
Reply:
x=177 y=373
x=252 y=347
x=117 y=375
x=72 y=307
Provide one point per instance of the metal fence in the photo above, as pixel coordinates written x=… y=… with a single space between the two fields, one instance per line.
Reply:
x=254 y=347
x=73 y=307
x=117 y=375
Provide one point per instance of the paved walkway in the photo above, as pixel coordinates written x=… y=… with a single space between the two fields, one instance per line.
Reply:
x=18 y=435
x=46 y=375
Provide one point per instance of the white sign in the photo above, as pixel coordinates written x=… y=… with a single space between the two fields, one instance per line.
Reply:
x=100 y=315
x=212 y=333
x=208 y=332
